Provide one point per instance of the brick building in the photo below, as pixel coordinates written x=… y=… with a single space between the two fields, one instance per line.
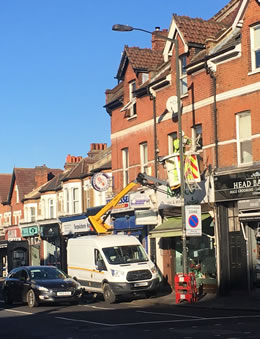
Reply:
x=219 y=81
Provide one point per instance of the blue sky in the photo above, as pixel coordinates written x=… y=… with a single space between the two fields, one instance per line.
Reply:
x=57 y=58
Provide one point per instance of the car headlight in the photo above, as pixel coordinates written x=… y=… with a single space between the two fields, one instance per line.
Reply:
x=117 y=274
x=154 y=270
x=41 y=288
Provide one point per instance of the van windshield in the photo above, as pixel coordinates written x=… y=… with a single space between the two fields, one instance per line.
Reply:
x=117 y=255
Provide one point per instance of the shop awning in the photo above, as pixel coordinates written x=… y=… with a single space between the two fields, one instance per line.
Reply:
x=172 y=227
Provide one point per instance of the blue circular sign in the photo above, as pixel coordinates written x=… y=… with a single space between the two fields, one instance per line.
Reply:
x=193 y=220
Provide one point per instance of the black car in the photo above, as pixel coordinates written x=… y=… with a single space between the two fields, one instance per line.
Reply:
x=38 y=284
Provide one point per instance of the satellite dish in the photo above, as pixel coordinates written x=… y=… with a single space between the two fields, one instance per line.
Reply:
x=172 y=104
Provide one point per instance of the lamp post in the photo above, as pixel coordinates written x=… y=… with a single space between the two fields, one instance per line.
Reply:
x=126 y=28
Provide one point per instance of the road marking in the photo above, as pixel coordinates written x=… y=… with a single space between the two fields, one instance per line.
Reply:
x=186 y=320
x=156 y=321
x=98 y=308
x=14 y=311
x=85 y=321
x=176 y=315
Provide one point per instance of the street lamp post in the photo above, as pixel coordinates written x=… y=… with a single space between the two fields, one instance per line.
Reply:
x=126 y=28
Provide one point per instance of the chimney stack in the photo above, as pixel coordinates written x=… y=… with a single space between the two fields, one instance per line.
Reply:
x=158 y=43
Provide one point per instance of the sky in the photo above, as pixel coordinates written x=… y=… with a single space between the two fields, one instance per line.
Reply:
x=57 y=58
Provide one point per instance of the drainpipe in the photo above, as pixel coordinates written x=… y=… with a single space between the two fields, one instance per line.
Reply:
x=211 y=69
x=153 y=97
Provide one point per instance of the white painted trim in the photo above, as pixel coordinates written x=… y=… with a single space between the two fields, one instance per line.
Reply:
x=203 y=103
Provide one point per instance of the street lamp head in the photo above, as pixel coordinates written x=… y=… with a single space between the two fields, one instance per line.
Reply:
x=122 y=28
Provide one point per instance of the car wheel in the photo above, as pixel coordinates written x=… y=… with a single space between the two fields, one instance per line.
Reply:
x=108 y=293
x=7 y=298
x=31 y=299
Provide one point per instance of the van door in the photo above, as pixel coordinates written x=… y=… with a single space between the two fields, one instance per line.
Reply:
x=100 y=271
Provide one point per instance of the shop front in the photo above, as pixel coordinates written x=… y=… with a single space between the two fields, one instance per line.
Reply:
x=13 y=254
x=72 y=226
x=50 y=243
x=31 y=234
x=238 y=206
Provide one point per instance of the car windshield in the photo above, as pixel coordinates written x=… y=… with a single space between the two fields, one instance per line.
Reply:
x=125 y=254
x=41 y=273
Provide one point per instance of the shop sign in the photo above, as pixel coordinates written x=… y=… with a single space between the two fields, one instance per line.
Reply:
x=100 y=182
x=252 y=204
x=237 y=186
x=122 y=205
x=30 y=231
x=13 y=234
x=50 y=230
x=193 y=220
x=146 y=217
x=75 y=226
x=140 y=200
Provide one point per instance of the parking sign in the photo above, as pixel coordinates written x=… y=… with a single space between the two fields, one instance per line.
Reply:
x=193 y=220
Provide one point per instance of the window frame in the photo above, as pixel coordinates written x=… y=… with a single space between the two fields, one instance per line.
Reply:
x=197 y=146
x=75 y=200
x=144 y=157
x=183 y=78
x=243 y=140
x=254 y=49
x=171 y=137
x=125 y=166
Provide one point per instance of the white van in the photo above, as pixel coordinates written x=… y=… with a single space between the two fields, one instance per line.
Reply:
x=112 y=265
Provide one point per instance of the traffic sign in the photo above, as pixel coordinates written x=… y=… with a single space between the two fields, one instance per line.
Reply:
x=193 y=220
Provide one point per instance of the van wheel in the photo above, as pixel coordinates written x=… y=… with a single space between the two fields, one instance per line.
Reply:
x=31 y=299
x=108 y=293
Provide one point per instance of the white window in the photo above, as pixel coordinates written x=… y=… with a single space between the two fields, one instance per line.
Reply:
x=197 y=142
x=130 y=107
x=51 y=208
x=255 y=47
x=32 y=213
x=144 y=157
x=7 y=219
x=17 y=194
x=17 y=216
x=183 y=75
x=67 y=200
x=75 y=197
x=125 y=160
x=244 y=138
x=171 y=138
x=145 y=77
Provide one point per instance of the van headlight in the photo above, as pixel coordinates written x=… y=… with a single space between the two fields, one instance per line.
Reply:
x=117 y=274
x=154 y=270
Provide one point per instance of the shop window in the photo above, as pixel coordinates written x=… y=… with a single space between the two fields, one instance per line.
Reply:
x=244 y=138
x=255 y=47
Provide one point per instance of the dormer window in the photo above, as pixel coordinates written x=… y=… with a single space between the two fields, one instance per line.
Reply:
x=130 y=107
x=144 y=77
x=255 y=47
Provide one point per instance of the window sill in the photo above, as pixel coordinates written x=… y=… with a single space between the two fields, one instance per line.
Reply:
x=132 y=117
x=255 y=71
x=184 y=95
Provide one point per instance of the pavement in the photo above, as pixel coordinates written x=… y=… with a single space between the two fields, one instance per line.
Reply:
x=239 y=300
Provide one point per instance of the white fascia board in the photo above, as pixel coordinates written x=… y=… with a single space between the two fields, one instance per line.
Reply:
x=173 y=31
